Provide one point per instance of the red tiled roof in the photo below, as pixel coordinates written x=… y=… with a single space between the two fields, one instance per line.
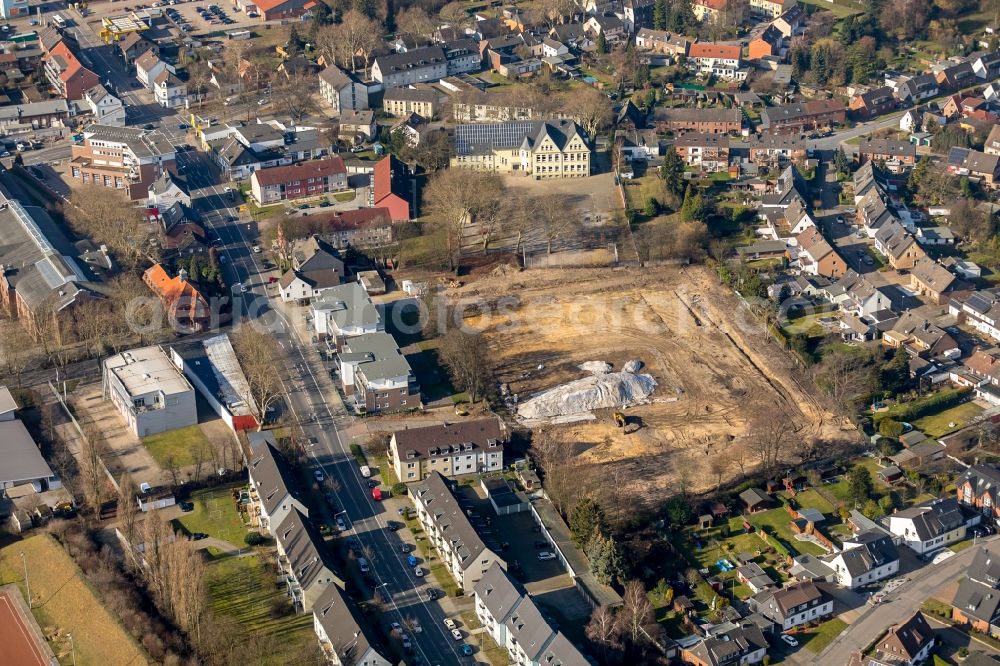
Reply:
x=354 y=219
x=717 y=5
x=313 y=169
x=383 y=177
x=728 y=51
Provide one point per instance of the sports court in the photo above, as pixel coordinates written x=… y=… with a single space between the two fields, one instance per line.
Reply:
x=19 y=634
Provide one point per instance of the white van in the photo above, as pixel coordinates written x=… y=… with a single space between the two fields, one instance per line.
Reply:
x=366 y=471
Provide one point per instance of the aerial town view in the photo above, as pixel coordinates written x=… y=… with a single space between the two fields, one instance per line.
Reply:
x=529 y=332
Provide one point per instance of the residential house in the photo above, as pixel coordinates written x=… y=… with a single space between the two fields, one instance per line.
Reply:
x=987 y=66
x=956 y=77
x=906 y=644
x=918 y=88
x=450 y=532
x=126 y=158
x=894 y=156
x=66 y=74
x=169 y=189
x=272 y=488
x=802 y=116
x=791 y=21
x=931 y=280
x=422 y=65
x=148 y=67
x=726 y=643
x=638 y=14
x=26 y=118
x=979 y=485
x=358 y=124
x=183 y=304
x=794 y=605
x=872 y=104
x=770 y=8
x=106 y=109
x=342 y=90
x=345 y=636
x=817 y=257
x=149 y=392
x=541 y=149
x=612 y=27
x=929 y=526
x=361 y=228
x=992 y=144
x=721 y=60
x=661 y=41
x=975 y=164
x=391 y=188
x=910 y=121
x=769 y=43
x=169 y=91
x=980 y=310
x=303 y=560
x=511 y=618
x=375 y=375
x=936 y=236
x=297 y=181
x=316 y=267
x=345 y=311
x=711 y=121
x=135 y=44
x=898 y=245
x=707 y=151
x=922 y=338
x=708 y=10
x=866 y=558
x=404 y=100
x=452 y=449
x=751 y=575
x=977 y=601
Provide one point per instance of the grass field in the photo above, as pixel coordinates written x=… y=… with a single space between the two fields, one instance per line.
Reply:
x=215 y=515
x=808 y=324
x=938 y=425
x=241 y=588
x=839 y=8
x=818 y=638
x=179 y=443
x=779 y=520
x=64 y=603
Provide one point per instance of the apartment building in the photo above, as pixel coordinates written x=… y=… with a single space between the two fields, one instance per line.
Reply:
x=776 y=149
x=511 y=617
x=150 y=393
x=392 y=189
x=344 y=635
x=452 y=449
x=707 y=151
x=303 y=560
x=124 y=158
x=894 y=156
x=720 y=60
x=376 y=376
x=67 y=75
x=448 y=529
x=421 y=65
x=709 y=121
x=540 y=149
x=272 y=488
x=979 y=485
x=873 y=103
x=345 y=311
x=770 y=8
x=404 y=100
x=298 y=181
x=661 y=41
x=342 y=90
x=977 y=601
x=817 y=257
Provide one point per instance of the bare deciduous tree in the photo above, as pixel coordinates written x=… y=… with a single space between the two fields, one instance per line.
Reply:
x=109 y=218
x=414 y=21
x=452 y=198
x=636 y=612
x=92 y=470
x=768 y=439
x=467 y=358
x=603 y=631
x=355 y=36
x=591 y=108
x=293 y=94
x=259 y=358
x=128 y=509
x=18 y=351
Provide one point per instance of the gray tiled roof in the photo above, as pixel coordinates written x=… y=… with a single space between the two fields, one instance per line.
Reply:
x=304 y=547
x=273 y=476
x=449 y=518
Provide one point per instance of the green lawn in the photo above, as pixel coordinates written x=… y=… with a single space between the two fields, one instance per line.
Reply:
x=714 y=547
x=840 y=489
x=810 y=499
x=244 y=589
x=179 y=444
x=818 y=638
x=345 y=196
x=938 y=425
x=214 y=514
x=779 y=522
x=808 y=324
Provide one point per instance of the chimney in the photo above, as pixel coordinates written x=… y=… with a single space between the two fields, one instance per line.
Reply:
x=182 y=275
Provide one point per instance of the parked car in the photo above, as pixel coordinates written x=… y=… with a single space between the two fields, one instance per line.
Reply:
x=405 y=639
x=395 y=626
x=449 y=623
x=467 y=650
x=411 y=560
x=363 y=565
x=541 y=544
x=395 y=525
x=341 y=525
x=788 y=639
x=187 y=506
x=418 y=572
x=456 y=634
x=318 y=474
x=406 y=548
x=197 y=536
x=546 y=555
x=431 y=594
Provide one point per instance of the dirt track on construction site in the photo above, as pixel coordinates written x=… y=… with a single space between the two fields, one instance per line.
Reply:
x=715 y=369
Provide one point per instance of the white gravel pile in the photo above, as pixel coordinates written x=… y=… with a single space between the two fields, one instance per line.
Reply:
x=612 y=389
x=595 y=367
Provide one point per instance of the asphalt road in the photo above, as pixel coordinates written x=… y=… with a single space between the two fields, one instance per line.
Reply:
x=320 y=411
x=901 y=604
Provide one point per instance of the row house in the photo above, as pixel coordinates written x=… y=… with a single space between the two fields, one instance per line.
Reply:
x=898 y=245
x=710 y=152
x=662 y=41
x=421 y=65
x=977 y=601
x=611 y=27
x=344 y=635
x=375 y=376
x=776 y=149
x=992 y=144
x=872 y=104
x=980 y=310
x=817 y=257
x=273 y=490
x=456 y=449
x=720 y=60
x=708 y=11
x=308 y=179
x=932 y=280
x=710 y=121
x=361 y=228
x=920 y=337
x=803 y=116
x=894 y=156
x=23 y=118
x=979 y=485
x=512 y=619
x=125 y=158
x=450 y=532
x=771 y=9
x=956 y=77
x=303 y=561
x=404 y=100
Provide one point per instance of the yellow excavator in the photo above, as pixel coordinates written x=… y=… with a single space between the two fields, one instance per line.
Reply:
x=628 y=425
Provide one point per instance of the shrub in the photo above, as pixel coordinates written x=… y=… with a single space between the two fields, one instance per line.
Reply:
x=254 y=538
x=359 y=454
x=399 y=489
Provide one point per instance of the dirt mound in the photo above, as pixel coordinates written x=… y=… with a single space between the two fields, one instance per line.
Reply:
x=612 y=389
x=595 y=367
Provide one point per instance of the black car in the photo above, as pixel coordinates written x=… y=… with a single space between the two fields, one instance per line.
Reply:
x=395 y=525
x=197 y=536
x=372 y=483
x=431 y=594
x=187 y=506
x=541 y=544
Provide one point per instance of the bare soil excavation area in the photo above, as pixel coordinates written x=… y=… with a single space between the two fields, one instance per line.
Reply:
x=716 y=371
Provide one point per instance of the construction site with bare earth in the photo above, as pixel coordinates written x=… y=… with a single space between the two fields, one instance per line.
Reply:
x=653 y=372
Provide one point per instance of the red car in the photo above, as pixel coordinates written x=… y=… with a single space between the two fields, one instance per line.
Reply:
x=377 y=494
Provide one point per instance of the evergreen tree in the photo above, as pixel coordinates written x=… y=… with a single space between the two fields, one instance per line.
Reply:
x=660 y=15
x=681 y=16
x=859 y=484
x=601 y=44
x=672 y=173
x=587 y=520
x=693 y=207
x=840 y=161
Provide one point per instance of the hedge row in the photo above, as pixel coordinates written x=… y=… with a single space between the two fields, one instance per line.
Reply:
x=936 y=402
